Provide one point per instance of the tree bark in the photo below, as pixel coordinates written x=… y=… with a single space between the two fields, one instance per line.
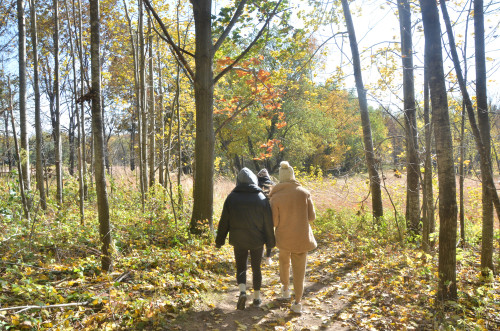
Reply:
x=151 y=110
x=444 y=153
x=98 y=138
x=57 y=129
x=38 y=121
x=484 y=129
x=486 y=169
x=143 y=104
x=24 y=199
x=428 y=197
x=371 y=163
x=82 y=106
x=412 y=160
x=24 y=150
x=76 y=115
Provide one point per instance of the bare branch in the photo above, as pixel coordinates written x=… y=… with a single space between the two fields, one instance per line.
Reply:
x=177 y=50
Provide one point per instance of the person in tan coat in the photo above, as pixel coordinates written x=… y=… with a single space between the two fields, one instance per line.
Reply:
x=292 y=209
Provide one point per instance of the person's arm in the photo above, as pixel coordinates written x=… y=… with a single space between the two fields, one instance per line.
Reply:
x=311 y=213
x=223 y=227
x=268 y=227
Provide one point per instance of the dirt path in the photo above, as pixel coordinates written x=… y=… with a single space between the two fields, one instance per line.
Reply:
x=322 y=302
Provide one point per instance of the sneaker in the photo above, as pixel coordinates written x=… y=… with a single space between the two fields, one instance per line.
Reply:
x=241 y=301
x=297 y=308
x=257 y=302
x=285 y=294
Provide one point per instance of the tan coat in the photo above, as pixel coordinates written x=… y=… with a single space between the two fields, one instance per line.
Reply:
x=292 y=209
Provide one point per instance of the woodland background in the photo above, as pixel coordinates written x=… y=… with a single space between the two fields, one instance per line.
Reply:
x=125 y=122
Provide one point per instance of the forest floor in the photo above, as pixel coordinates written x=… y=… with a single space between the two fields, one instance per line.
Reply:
x=322 y=303
x=362 y=276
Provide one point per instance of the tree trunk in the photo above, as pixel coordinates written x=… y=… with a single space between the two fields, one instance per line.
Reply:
x=57 y=129
x=371 y=163
x=98 y=138
x=428 y=203
x=82 y=106
x=161 y=111
x=24 y=199
x=24 y=150
x=412 y=160
x=143 y=104
x=203 y=94
x=76 y=116
x=151 y=111
x=486 y=170
x=484 y=129
x=38 y=121
x=444 y=153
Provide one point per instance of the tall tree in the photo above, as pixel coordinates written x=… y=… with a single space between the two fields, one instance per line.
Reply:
x=142 y=100
x=371 y=163
x=38 y=121
x=484 y=129
x=412 y=160
x=20 y=169
x=204 y=80
x=486 y=170
x=98 y=138
x=428 y=192
x=444 y=152
x=24 y=148
x=57 y=110
x=151 y=109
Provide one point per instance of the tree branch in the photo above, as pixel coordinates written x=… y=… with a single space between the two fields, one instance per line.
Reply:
x=177 y=50
x=231 y=24
x=268 y=20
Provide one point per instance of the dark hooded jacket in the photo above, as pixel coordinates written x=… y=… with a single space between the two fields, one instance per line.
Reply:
x=246 y=216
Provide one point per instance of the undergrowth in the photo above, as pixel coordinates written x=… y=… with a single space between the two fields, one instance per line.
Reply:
x=50 y=268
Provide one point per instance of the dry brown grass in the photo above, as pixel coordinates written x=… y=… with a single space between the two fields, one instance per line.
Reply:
x=349 y=193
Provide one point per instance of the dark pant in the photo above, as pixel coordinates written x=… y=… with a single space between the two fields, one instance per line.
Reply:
x=241 y=257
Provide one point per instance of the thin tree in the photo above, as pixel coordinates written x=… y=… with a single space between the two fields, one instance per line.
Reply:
x=98 y=138
x=151 y=109
x=486 y=169
x=371 y=163
x=484 y=129
x=143 y=104
x=24 y=148
x=76 y=112
x=412 y=160
x=57 y=129
x=38 y=121
x=444 y=152
x=20 y=169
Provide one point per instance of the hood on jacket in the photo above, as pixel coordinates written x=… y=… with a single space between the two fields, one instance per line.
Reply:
x=246 y=177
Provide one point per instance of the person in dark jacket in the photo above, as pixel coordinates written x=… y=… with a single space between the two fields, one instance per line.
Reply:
x=265 y=183
x=247 y=217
